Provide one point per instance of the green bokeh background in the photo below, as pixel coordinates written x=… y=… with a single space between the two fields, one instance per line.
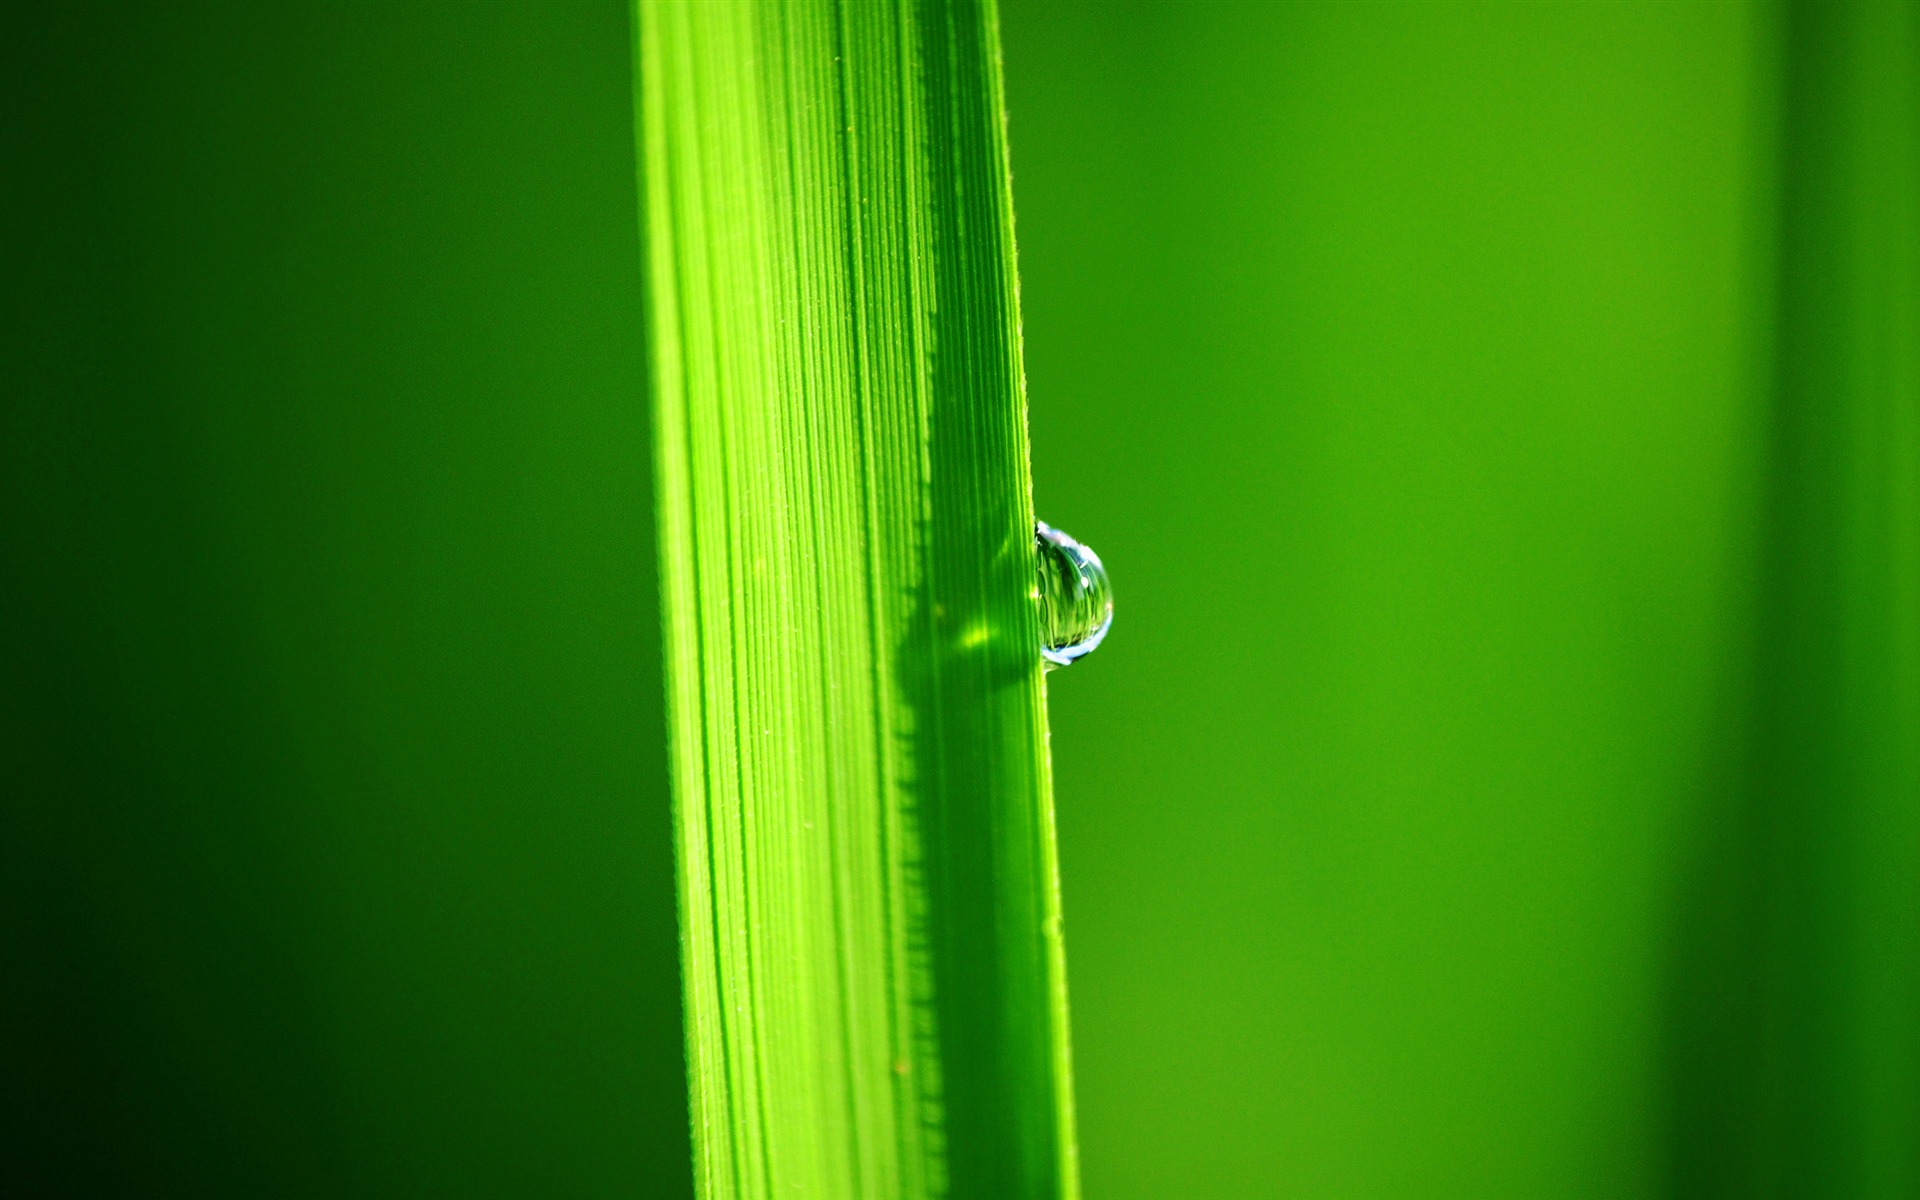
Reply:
x=1501 y=424
x=1416 y=369
x=1399 y=361
x=337 y=856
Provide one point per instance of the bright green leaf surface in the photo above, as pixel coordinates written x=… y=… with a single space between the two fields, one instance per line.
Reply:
x=872 y=938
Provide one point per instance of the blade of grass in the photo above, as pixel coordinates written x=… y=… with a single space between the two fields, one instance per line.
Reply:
x=1836 y=765
x=1797 y=1072
x=869 y=901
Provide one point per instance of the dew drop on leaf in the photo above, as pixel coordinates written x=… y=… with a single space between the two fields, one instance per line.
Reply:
x=1076 y=601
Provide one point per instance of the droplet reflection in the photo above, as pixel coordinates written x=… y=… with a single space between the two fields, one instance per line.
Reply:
x=1076 y=601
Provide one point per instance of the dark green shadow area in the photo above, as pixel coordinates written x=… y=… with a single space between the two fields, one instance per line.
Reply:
x=972 y=661
x=1795 y=994
x=335 y=850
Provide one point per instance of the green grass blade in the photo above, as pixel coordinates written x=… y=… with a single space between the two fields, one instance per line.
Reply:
x=871 y=933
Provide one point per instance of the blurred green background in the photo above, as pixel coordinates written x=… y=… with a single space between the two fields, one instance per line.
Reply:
x=1399 y=361
x=337 y=857
x=1500 y=424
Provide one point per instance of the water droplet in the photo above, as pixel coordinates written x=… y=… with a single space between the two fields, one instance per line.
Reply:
x=1076 y=601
